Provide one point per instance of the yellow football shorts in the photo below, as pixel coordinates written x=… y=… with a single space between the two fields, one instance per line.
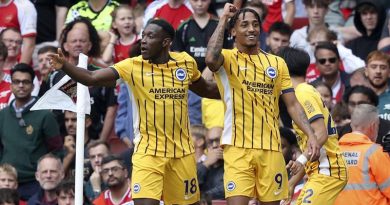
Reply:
x=255 y=173
x=321 y=189
x=172 y=180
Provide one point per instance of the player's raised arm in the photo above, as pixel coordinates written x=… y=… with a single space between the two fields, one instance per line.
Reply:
x=102 y=77
x=214 y=58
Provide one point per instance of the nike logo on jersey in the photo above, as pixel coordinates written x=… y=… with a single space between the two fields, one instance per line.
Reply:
x=186 y=197
x=277 y=192
x=243 y=68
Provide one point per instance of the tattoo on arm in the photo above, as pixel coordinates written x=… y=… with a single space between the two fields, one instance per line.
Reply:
x=214 y=47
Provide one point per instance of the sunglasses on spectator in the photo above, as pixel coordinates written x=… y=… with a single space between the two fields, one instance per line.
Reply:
x=322 y=61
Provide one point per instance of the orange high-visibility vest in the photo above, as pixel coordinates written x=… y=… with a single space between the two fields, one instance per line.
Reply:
x=368 y=171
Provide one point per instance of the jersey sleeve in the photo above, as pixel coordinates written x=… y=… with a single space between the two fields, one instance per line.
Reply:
x=195 y=72
x=124 y=68
x=286 y=80
x=27 y=17
x=226 y=53
x=309 y=104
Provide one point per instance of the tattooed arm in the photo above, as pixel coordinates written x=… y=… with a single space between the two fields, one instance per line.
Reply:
x=214 y=59
x=299 y=116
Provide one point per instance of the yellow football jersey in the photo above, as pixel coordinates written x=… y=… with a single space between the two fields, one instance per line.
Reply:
x=250 y=86
x=331 y=161
x=159 y=101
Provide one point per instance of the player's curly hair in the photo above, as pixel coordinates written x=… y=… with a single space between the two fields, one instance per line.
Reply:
x=93 y=36
x=243 y=11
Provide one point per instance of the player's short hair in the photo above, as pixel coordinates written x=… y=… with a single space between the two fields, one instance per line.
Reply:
x=24 y=68
x=167 y=27
x=282 y=28
x=297 y=60
x=243 y=11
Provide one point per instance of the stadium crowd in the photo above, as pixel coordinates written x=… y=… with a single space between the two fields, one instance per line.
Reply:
x=339 y=47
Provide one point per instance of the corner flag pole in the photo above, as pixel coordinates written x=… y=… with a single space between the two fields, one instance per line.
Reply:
x=83 y=104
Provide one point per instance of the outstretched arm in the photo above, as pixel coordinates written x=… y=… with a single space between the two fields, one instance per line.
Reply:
x=299 y=116
x=102 y=77
x=214 y=59
x=205 y=88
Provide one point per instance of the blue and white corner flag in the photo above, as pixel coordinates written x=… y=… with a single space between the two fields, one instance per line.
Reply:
x=67 y=94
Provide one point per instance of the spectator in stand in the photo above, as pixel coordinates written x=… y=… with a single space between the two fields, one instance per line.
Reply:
x=22 y=16
x=327 y=62
x=96 y=150
x=358 y=77
x=349 y=62
x=9 y=179
x=49 y=28
x=384 y=43
x=115 y=176
x=198 y=133
x=9 y=197
x=210 y=171
x=12 y=39
x=378 y=72
x=80 y=36
x=316 y=11
x=326 y=93
x=368 y=181
x=47 y=72
x=70 y=119
x=278 y=36
x=5 y=79
x=275 y=13
x=124 y=35
x=65 y=193
x=97 y=11
x=49 y=174
x=26 y=135
x=363 y=95
x=173 y=11
x=369 y=20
